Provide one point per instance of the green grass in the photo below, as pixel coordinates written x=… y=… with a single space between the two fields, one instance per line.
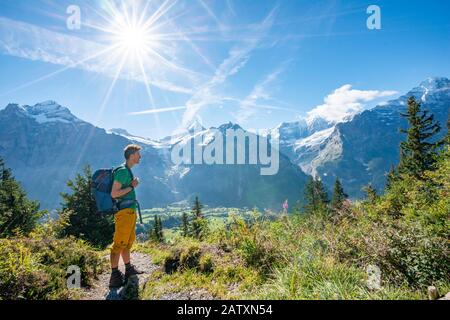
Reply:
x=225 y=277
x=245 y=255
x=35 y=267
x=295 y=257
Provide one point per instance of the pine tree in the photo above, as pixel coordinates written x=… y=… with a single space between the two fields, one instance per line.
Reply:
x=316 y=197
x=80 y=210
x=417 y=154
x=323 y=195
x=197 y=209
x=154 y=232
x=17 y=212
x=447 y=136
x=198 y=224
x=371 y=193
x=5 y=173
x=391 y=177
x=160 y=230
x=157 y=234
x=339 y=195
x=309 y=196
x=446 y=140
x=185 y=225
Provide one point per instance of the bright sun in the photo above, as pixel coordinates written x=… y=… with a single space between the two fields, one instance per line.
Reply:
x=133 y=38
x=131 y=32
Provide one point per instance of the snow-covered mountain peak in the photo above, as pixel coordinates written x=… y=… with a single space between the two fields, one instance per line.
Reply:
x=295 y=125
x=44 y=112
x=50 y=111
x=435 y=83
x=136 y=139
x=120 y=131
x=317 y=123
x=14 y=107
x=429 y=87
x=229 y=125
x=195 y=126
x=315 y=139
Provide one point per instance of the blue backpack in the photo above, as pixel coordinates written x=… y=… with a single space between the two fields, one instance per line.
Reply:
x=102 y=182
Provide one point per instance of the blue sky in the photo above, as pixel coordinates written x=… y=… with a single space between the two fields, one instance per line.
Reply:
x=256 y=63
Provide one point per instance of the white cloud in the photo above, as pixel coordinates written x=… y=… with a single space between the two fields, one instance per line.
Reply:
x=345 y=101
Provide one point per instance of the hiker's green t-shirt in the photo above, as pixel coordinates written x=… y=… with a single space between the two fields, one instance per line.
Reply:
x=122 y=176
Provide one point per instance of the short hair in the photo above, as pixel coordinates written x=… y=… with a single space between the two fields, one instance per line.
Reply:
x=130 y=149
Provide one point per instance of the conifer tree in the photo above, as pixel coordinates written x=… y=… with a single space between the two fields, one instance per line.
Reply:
x=446 y=139
x=198 y=223
x=371 y=193
x=80 y=210
x=391 y=177
x=417 y=153
x=157 y=233
x=17 y=212
x=316 y=197
x=185 y=225
x=310 y=196
x=5 y=173
x=154 y=232
x=160 y=230
x=339 y=195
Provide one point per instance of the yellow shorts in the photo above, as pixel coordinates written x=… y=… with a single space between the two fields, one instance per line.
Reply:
x=125 y=230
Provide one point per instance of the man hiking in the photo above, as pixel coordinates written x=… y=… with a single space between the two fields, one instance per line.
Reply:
x=125 y=219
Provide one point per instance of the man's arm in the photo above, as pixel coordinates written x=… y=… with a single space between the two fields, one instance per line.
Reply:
x=117 y=192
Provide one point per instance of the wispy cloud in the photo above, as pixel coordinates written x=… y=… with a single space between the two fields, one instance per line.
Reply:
x=260 y=96
x=157 y=110
x=346 y=101
x=24 y=40
x=211 y=13
x=237 y=58
x=230 y=7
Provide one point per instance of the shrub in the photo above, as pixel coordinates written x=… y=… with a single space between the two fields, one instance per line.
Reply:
x=255 y=243
x=21 y=275
x=420 y=257
x=206 y=263
x=35 y=267
x=406 y=252
x=182 y=257
x=188 y=255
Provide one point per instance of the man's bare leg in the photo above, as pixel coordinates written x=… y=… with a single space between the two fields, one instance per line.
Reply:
x=117 y=278
x=126 y=255
x=114 y=258
x=130 y=270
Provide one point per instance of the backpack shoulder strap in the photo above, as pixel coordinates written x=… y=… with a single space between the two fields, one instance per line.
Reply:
x=129 y=171
x=124 y=165
x=114 y=169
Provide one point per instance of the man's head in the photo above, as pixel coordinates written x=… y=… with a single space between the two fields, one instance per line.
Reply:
x=132 y=154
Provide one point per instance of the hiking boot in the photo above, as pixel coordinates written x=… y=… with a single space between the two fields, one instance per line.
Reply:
x=117 y=279
x=131 y=271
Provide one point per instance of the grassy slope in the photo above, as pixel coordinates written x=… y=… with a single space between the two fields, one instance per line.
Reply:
x=291 y=258
x=404 y=233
